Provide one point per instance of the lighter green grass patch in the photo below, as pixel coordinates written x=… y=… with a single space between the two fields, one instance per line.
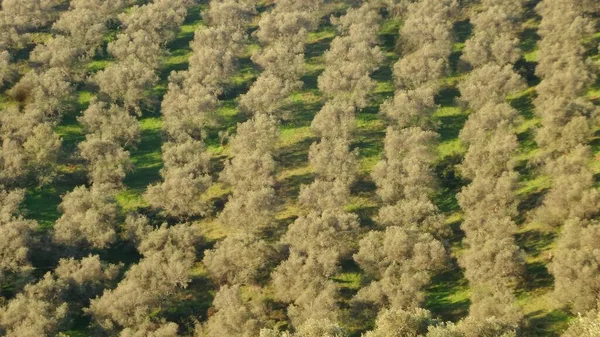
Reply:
x=131 y=200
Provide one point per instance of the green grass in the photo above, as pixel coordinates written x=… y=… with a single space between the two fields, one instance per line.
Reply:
x=448 y=296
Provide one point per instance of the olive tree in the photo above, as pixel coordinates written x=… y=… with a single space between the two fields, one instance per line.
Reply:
x=235 y=316
x=240 y=259
x=126 y=83
x=90 y=218
x=401 y=262
x=43 y=308
x=250 y=174
x=185 y=178
x=17 y=236
x=168 y=256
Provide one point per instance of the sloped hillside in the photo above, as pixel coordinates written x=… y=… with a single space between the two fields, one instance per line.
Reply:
x=299 y=168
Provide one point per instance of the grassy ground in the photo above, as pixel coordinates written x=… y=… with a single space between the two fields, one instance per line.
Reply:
x=448 y=295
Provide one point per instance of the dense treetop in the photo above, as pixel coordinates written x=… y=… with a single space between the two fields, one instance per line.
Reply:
x=284 y=168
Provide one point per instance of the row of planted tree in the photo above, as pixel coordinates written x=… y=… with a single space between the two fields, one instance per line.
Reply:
x=274 y=279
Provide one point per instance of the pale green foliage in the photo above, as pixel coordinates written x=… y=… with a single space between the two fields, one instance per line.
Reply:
x=253 y=145
x=34 y=311
x=405 y=179
x=315 y=303
x=150 y=329
x=169 y=254
x=335 y=166
x=84 y=278
x=230 y=12
x=290 y=19
x=401 y=260
x=215 y=50
x=570 y=81
x=240 y=259
x=490 y=155
x=111 y=122
x=57 y=52
x=29 y=145
x=282 y=31
x=406 y=170
x=49 y=92
x=426 y=44
x=322 y=194
x=490 y=84
x=565 y=123
x=486 y=48
x=332 y=159
x=486 y=120
x=448 y=329
x=428 y=22
x=136 y=228
x=126 y=83
x=89 y=219
x=25 y=15
x=185 y=178
x=412 y=107
x=137 y=46
x=108 y=162
x=493 y=262
x=420 y=212
x=250 y=174
x=6 y=70
x=576 y=265
x=489 y=190
x=495 y=303
x=423 y=67
x=235 y=316
x=584 y=326
x=164 y=239
x=300 y=274
x=81 y=30
x=330 y=233
x=16 y=236
x=493 y=255
x=266 y=94
x=568 y=122
x=43 y=307
x=493 y=258
x=488 y=327
x=319 y=327
x=562 y=27
x=573 y=194
x=187 y=107
x=311 y=328
x=566 y=119
x=335 y=120
x=251 y=211
x=160 y=19
x=85 y=21
x=283 y=60
x=352 y=57
x=401 y=323
x=495 y=34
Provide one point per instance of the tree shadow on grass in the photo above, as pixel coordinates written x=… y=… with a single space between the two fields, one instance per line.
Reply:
x=528 y=203
x=295 y=155
x=41 y=202
x=450 y=183
x=442 y=289
x=290 y=186
x=147 y=160
x=537 y=277
x=549 y=324
x=462 y=30
x=193 y=303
